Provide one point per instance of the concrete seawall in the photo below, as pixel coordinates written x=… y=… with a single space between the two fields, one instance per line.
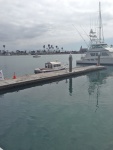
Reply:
x=8 y=84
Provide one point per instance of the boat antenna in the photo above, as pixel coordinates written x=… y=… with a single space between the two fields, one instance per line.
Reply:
x=81 y=36
x=102 y=34
x=100 y=23
x=102 y=30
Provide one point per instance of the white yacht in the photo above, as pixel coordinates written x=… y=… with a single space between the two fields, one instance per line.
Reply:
x=97 y=47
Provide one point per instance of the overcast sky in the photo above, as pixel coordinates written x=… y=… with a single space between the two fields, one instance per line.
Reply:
x=30 y=24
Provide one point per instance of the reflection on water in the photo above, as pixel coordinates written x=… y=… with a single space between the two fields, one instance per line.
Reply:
x=70 y=86
x=96 y=79
x=2 y=95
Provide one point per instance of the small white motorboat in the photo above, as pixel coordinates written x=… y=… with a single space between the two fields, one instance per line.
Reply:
x=36 y=56
x=50 y=67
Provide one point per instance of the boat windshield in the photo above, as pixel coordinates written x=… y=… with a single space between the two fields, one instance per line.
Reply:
x=52 y=64
x=104 y=45
x=99 y=46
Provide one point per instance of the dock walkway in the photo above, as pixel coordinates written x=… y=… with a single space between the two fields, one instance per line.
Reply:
x=44 y=77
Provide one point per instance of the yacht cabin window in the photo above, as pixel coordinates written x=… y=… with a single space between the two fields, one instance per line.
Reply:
x=48 y=65
x=104 y=45
x=99 y=46
x=51 y=65
x=57 y=65
x=94 y=54
x=102 y=54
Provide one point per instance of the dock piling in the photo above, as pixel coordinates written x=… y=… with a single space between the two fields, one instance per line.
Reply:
x=70 y=63
x=98 y=63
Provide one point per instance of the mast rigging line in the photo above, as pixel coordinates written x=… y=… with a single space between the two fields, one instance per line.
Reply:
x=81 y=36
x=100 y=25
x=84 y=31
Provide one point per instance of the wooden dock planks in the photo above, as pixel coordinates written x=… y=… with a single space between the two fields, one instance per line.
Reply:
x=41 y=77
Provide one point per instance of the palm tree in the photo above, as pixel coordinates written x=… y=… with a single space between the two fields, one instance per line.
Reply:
x=62 y=49
x=44 y=47
x=49 y=46
x=57 y=48
x=4 y=47
x=52 y=47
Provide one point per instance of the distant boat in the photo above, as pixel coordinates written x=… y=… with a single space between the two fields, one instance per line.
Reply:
x=50 y=67
x=36 y=56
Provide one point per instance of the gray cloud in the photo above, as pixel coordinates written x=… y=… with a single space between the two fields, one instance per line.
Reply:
x=9 y=32
x=26 y=23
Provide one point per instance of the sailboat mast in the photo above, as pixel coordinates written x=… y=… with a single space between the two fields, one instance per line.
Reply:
x=100 y=23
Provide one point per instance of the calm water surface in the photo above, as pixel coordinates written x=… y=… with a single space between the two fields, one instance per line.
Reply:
x=71 y=114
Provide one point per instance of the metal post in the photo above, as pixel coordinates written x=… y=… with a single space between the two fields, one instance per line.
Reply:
x=70 y=63
x=98 y=63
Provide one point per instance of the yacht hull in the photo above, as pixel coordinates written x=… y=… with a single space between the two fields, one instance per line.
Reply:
x=44 y=70
x=103 y=61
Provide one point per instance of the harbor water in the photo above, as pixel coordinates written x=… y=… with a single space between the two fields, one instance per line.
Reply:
x=69 y=114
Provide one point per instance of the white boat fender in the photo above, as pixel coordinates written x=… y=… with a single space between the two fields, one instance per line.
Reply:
x=1 y=148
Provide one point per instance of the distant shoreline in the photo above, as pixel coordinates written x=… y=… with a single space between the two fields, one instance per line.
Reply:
x=27 y=54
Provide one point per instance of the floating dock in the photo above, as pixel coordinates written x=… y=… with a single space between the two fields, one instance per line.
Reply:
x=27 y=80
